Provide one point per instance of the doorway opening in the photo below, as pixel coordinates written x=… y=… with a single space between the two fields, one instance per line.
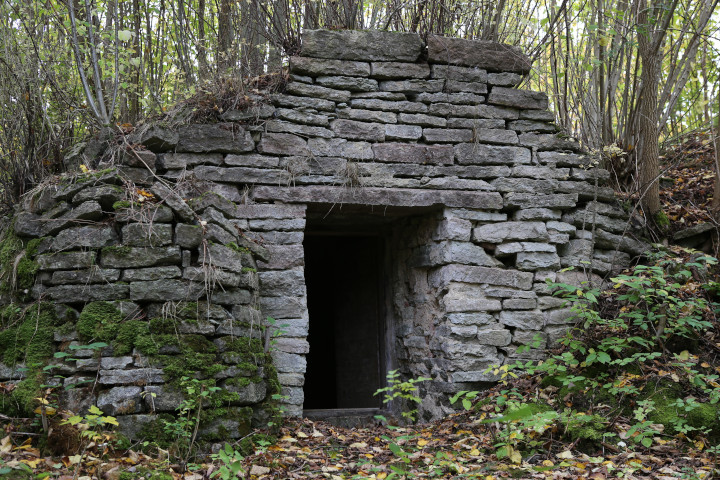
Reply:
x=345 y=280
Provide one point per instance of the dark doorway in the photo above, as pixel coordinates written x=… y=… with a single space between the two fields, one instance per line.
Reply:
x=344 y=279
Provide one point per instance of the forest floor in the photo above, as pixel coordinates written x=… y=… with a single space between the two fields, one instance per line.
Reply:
x=488 y=441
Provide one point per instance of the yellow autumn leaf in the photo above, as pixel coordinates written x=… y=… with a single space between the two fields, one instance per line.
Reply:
x=84 y=168
x=302 y=435
x=474 y=452
x=381 y=475
x=422 y=442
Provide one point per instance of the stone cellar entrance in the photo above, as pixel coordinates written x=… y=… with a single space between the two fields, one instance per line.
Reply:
x=345 y=275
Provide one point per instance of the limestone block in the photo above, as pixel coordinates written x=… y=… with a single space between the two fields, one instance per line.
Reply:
x=464 y=331
x=283 y=144
x=250 y=394
x=136 y=376
x=165 y=290
x=560 y=316
x=473 y=111
x=531 y=261
x=517 y=247
x=340 y=147
x=91 y=275
x=105 y=195
x=120 y=401
x=474 y=376
x=495 y=136
x=292 y=101
x=352 y=84
x=547 y=141
x=519 y=304
x=288 y=362
x=623 y=242
x=537 y=214
x=478 y=154
x=470 y=318
x=532 y=126
x=86 y=211
x=305 y=118
x=291 y=379
x=477 y=53
x=231 y=296
x=455 y=98
x=188 y=236
x=292 y=345
x=219 y=138
x=147 y=235
x=315 y=67
x=367 y=115
x=174 y=201
x=413 y=153
x=524 y=185
x=555 y=333
x=494 y=335
x=354 y=130
x=252 y=114
x=393 y=70
x=284 y=257
x=476 y=215
x=447 y=135
x=443 y=253
x=454 y=86
x=443 y=276
x=453 y=228
x=159 y=139
x=160 y=398
x=316 y=91
x=391 y=96
x=504 y=79
x=66 y=260
x=412 y=86
x=283 y=283
x=503 y=232
x=463 y=74
x=525 y=320
x=586 y=191
x=152 y=273
x=388 y=105
x=403 y=132
x=280 y=126
x=465 y=297
x=134 y=257
x=584 y=218
x=368 y=45
x=525 y=99
x=590 y=174
x=530 y=337
x=527 y=200
x=172 y=161
x=283 y=307
x=294 y=327
x=422 y=119
x=546 y=303
x=492 y=123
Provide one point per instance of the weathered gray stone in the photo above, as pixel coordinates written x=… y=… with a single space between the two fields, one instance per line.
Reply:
x=584 y=218
x=474 y=376
x=494 y=136
x=225 y=258
x=391 y=96
x=395 y=70
x=525 y=200
x=289 y=362
x=120 y=401
x=537 y=261
x=537 y=214
x=443 y=276
x=504 y=79
x=477 y=215
x=455 y=98
x=465 y=253
x=283 y=257
x=305 y=118
x=463 y=331
x=283 y=307
x=494 y=335
x=447 y=135
x=66 y=260
x=561 y=159
x=91 y=275
x=516 y=247
x=147 y=235
x=279 y=126
x=412 y=86
x=623 y=242
x=464 y=297
x=291 y=379
x=525 y=320
x=87 y=211
x=478 y=154
x=413 y=153
x=367 y=45
x=532 y=126
x=453 y=86
x=511 y=97
x=152 y=273
x=355 y=130
x=219 y=138
x=519 y=304
x=292 y=101
x=282 y=224
x=283 y=283
x=137 y=376
x=86 y=293
x=560 y=316
x=252 y=113
x=316 y=91
x=174 y=201
x=165 y=290
x=472 y=111
x=214 y=276
x=90 y=236
x=292 y=345
x=477 y=53
x=403 y=132
x=502 y=232
x=422 y=119
x=520 y=185
x=315 y=67
x=134 y=257
x=183 y=160
x=475 y=318
x=105 y=195
x=388 y=105
x=534 y=171
x=282 y=144
x=249 y=394
x=334 y=147
x=452 y=228
x=367 y=115
x=547 y=141
x=159 y=139
x=463 y=74
x=352 y=84
x=539 y=115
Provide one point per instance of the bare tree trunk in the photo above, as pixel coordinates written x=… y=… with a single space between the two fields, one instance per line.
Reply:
x=226 y=57
x=203 y=69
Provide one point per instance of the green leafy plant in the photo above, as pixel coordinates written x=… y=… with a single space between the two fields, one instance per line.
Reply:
x=230 y=463
x=403 y=390
x=466 y=398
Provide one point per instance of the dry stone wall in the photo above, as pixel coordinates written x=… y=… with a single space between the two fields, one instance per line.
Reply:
x=490 y=201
